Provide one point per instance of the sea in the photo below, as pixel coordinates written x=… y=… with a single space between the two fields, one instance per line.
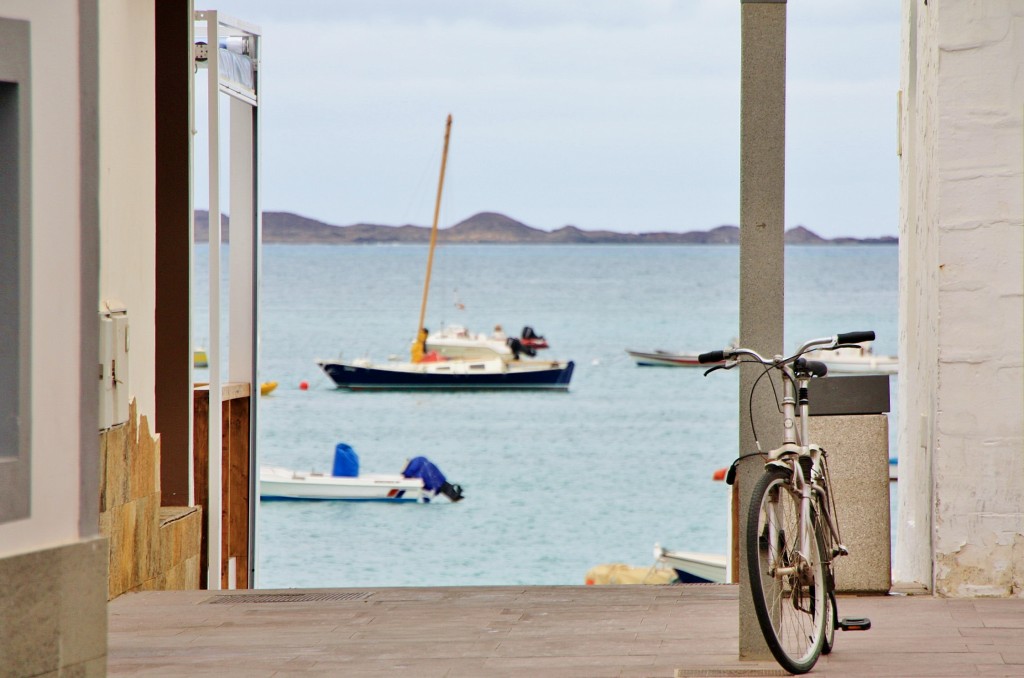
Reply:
x=555 y=483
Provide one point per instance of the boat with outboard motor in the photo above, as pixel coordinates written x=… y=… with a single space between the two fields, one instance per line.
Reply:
x=420 y=480
x=855 y=359
x=665 y=359
x=453 y=358
x=491 y=373
x=455 y=342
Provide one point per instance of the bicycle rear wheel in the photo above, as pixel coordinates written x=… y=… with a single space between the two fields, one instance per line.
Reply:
x=789 y=588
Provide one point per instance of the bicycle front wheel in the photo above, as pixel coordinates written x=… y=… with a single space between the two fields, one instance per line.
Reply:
x=789 y=587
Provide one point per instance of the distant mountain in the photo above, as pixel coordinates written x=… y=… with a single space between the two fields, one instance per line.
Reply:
x=494 y=228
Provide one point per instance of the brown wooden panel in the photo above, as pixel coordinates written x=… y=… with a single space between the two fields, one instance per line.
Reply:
x=236 y=475
x=201 y=475
x=173 y=141
x=235 y=424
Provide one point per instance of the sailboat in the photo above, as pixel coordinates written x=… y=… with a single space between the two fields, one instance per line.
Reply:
x=433 y=369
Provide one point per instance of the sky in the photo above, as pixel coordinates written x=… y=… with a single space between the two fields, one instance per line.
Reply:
x=617 y=115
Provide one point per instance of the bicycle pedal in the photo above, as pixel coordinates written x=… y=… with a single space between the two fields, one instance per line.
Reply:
x=854 y=624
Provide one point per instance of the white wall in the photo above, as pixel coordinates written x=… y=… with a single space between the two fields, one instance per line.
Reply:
x=961 y=443
x=128 y=181
x=56 y=274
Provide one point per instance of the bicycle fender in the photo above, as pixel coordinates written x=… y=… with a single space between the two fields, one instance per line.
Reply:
x=787 y=448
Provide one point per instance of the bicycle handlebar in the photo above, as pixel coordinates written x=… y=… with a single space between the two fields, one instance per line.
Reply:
x=815 y=367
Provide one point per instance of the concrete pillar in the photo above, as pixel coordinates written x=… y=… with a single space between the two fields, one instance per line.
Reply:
x=762 y=211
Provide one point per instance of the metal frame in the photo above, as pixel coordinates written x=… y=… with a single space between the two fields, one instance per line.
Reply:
x=244 y=266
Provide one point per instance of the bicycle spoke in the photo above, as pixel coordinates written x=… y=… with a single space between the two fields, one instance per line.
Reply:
x=788 y=586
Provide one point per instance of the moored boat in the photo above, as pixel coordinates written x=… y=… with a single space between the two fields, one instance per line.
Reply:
x=453 y=358
x=456 y=342
x=420 y=480
x=494 y=373
x=859 y=359
x=665 y=359
x=693 y=568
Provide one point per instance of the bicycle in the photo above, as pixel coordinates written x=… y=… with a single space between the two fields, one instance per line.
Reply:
x=791 y=534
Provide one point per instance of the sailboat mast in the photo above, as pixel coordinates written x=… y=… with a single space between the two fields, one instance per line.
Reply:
x=433 y=242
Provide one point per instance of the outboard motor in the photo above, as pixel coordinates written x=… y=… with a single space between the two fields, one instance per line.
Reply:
x=519 y=347
x=346 y=461
x=516 y=346
x=531 y=340
x=433 y=480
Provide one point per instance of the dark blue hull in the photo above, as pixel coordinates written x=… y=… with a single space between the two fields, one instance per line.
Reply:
x=358 y=378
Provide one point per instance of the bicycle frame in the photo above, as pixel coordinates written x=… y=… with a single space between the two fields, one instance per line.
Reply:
x=796 y=445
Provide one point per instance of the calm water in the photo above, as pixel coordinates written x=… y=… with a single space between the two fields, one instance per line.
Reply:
x=555 y=482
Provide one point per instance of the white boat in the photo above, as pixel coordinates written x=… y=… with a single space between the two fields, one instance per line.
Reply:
x=855 y=360
x=693 y=568
x=283 y=483
x=666 y=359
x=421 y=481
x=456 y=342
x=659 y=358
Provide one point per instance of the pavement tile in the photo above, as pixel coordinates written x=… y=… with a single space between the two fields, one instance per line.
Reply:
x=597 y=631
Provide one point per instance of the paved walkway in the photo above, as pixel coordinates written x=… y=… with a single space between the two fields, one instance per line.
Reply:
x=562 y=631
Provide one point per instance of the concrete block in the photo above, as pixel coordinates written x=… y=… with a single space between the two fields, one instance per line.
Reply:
x=83 y=606
x=53 y=614
x=858 y=461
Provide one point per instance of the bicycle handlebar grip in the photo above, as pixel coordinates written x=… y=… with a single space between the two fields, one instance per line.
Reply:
x=711 y=357
x=855 y=337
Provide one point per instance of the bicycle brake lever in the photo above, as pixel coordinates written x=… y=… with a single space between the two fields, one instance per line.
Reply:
x=728 y=365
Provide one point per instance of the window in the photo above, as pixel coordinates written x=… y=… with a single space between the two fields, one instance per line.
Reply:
x=14 y=262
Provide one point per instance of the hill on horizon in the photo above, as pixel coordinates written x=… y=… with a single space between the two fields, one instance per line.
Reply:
x=495 y=228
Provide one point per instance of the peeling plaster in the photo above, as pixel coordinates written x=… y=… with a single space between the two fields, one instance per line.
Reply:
x=994 y=569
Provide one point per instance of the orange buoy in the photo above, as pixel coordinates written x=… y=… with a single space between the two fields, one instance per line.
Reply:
x=719 y=474
x=304 y=385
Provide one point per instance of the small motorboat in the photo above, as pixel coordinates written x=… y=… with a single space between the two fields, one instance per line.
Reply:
x=267 y=387
x=693 y=568
x=666 y=359
x=456 y=342
x=859 y=359
x=659 y=358
x=421 y=480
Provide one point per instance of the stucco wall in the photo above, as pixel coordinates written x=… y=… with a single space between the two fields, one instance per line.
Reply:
x=962 y=298
x=128 y=181
x=55 y=278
